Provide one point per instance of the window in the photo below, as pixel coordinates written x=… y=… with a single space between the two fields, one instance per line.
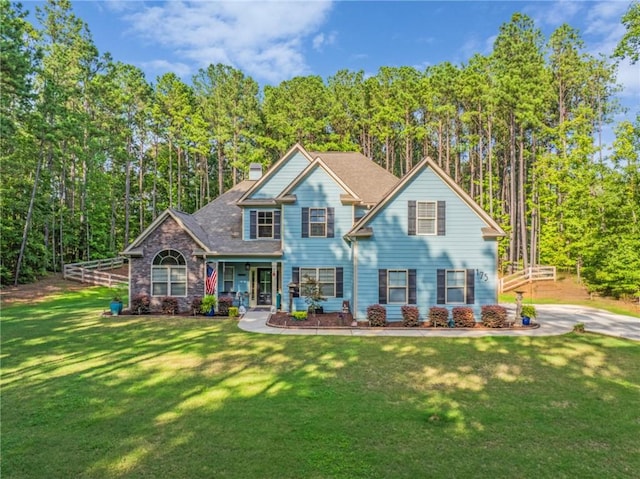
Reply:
x=228 y=280
x=426 y=218
x=397 y=286
x=265 y=224
x=317 y=222
x=169 y=274
x=456 y=285
x=326 y=278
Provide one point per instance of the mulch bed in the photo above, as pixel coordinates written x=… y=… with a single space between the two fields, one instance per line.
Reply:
x=323 y=320
x=341 y=320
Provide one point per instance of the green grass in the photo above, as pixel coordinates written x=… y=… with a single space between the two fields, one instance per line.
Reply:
x=101 y=397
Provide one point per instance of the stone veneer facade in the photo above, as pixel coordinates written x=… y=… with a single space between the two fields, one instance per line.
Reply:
x=168 y=235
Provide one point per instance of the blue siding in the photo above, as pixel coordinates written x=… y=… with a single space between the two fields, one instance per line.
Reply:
x=392 y=248
x=288 y=171
x=317 y=189
x=246 y=220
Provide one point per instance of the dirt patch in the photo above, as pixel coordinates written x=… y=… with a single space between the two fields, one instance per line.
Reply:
x=568 y=290
x=53 y=283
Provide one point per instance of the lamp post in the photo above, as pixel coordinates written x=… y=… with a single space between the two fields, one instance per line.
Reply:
x=292 y=290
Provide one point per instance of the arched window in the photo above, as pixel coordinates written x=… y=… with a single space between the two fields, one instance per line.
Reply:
x=169 y=274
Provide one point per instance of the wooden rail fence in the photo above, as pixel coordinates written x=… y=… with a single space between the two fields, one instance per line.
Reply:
x=527 y=275
x=96 y=272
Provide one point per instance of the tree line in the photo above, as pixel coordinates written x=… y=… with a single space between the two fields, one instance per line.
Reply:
x=92 y=151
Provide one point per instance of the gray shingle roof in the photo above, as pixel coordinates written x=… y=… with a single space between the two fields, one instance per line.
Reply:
x=222 y=220
x=365 y=177
x=190 y=222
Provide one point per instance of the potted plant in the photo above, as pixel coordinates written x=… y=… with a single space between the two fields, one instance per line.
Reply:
x=115 y=306
x=312 y=295
x=207 y=307
x=528 y=311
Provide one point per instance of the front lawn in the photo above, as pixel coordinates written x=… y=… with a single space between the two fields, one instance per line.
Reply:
x=101 y=397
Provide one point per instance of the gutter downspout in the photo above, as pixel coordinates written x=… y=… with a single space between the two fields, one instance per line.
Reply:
x=355 y=279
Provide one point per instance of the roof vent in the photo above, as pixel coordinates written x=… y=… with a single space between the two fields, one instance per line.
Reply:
x=255 y=171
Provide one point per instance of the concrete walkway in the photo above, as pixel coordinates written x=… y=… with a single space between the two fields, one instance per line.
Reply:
x=553 y=319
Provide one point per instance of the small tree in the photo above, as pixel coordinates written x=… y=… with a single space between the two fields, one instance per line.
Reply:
x=312 y=294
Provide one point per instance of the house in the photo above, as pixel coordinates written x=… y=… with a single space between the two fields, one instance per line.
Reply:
x=366 y=236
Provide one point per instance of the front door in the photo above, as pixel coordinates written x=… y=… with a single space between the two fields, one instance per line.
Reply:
x=264 y=286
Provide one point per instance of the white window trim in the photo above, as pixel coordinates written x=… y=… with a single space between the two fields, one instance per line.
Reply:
x=233 y=277
x=406 y=287
x=434 y=218
x=447 y=287
x=168 y=269
x=317 y=277
x=258 y=236
x=318 y=223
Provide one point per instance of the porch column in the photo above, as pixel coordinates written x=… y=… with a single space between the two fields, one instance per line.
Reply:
x=274 y=283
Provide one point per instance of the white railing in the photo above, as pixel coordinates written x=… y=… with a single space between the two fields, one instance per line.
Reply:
x=96 y=272
x=527 y=275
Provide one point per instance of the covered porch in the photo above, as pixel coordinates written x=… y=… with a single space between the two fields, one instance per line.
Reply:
x=249 y=282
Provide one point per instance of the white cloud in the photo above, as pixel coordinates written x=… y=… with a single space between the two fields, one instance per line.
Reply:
x=556 y=13
x=163 y=66
x=629 y=78
x=321 y=40
x=264 y=39
x=604 y=25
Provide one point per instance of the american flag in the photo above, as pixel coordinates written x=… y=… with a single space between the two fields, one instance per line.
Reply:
x=211 y=284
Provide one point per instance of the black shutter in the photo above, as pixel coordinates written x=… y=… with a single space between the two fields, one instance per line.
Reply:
x=330 y=216
x=411 y=218
x=382 y=286
x=276 y=225
x=442 y=218
x=253 y=224
x=339 y=282
x=305 y=222
x=471 y=286
x=413 y=289
x=295 y=278
x=441 y=296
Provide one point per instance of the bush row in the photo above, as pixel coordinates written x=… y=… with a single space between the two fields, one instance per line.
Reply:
x=141 y=304
x=492 y=316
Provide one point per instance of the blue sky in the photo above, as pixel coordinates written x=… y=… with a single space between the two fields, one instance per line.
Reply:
x=277 y=40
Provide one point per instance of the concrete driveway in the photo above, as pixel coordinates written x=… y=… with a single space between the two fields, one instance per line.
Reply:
x=553 y=319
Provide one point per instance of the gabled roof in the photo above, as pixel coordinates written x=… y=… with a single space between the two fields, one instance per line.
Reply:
x=492 y=230
x=185 y=221
x=223 y=220
x=317 y=163
x=273 y=170
x=368 y=180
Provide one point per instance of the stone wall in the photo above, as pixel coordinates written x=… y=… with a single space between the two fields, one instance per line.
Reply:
x=168 y=235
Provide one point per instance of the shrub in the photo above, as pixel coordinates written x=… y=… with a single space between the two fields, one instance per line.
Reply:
x=494 y=316
x=233 y=312
x=438 y=316
x=578 y=328
x=463 y=317
x=196 y=304
x=410 y=316
x=141 y=304
x=169 y=305
x=377 y=315
x=224 y=304
x=299 y=315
